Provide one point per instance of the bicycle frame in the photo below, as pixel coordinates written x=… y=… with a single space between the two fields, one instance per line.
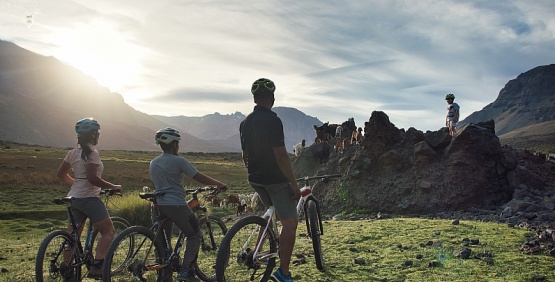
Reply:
x=83 y=256
x=270 y=223
x=159 y=230
x=306 y=194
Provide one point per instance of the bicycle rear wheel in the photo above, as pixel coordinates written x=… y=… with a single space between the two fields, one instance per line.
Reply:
x=235 y=261
x=51 y=264
x=134 y=254
x=315 y=232
x=119 y=223
x=213 y=231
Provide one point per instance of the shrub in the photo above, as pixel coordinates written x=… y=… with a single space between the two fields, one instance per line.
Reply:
x=132 y=208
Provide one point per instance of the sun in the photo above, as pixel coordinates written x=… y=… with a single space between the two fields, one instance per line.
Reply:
x=98 y=49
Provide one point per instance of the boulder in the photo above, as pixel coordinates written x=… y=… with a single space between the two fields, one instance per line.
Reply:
x=411 y=172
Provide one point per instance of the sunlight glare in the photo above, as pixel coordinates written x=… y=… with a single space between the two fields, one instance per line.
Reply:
x=98 y=49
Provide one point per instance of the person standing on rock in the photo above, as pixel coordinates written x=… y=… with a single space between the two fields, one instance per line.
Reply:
x=452 y=113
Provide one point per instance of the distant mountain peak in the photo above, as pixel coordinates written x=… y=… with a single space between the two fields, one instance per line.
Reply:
x=528 y=99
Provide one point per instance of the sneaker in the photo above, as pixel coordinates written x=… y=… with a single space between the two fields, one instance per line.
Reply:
x=278 y=276
x=185 y=276
x=95 y=272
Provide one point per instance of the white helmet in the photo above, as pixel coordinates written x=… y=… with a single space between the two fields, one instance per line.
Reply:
x=167 y=135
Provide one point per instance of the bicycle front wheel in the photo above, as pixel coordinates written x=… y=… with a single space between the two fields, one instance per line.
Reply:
x=119 y=223
x=134 y=254
x=213 y=231
x=58 y=258
x=315 y=232
x=236 y=260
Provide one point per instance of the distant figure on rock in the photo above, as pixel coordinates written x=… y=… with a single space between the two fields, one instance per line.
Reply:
x=452 y=113
x=356 y=136
x=339 y=147
x=338 y=133
x=297 y=149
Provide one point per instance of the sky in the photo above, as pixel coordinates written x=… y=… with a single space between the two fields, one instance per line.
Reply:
x=332 y=60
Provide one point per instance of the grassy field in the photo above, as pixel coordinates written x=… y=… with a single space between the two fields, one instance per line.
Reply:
x=394 y=249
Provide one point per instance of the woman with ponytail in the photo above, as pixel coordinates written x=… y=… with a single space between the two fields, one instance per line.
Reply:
x=86 y=184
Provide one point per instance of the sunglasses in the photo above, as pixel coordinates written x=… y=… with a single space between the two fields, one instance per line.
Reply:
x=267 y=84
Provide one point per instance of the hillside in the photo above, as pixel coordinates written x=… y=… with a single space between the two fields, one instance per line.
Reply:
x=537 y=137
x=41 y=99
x=526 y=100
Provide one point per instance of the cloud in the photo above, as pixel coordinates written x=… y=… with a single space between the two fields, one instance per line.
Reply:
x=331 y=60
x=194 y=95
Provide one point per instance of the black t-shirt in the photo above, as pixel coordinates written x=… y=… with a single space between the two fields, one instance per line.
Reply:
x=262 y=131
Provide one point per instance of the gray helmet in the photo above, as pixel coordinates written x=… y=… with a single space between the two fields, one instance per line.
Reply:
x=167 y=135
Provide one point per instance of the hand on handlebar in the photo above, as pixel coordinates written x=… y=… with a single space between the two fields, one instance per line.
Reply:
x=117 y=188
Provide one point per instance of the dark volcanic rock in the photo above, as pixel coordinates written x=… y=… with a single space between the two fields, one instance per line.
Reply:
x=398 y=172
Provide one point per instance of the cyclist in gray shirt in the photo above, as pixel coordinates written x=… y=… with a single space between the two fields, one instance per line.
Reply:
x=167 y=173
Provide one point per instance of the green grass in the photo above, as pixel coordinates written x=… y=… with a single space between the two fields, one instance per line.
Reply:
x=28 y=183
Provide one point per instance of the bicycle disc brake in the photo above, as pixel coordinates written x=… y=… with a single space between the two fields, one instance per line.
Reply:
x=175 y=262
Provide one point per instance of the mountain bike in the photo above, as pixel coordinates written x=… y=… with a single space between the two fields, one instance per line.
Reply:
x=152 y=256
x=250 y=249
x=62 y=255
x=308 y=207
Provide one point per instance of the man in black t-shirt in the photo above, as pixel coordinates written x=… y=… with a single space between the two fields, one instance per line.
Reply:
x=269 y=168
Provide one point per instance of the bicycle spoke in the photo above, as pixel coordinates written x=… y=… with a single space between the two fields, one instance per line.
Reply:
x=133 y=255
x=213 y=233
x=55 y=261
x=236 y=257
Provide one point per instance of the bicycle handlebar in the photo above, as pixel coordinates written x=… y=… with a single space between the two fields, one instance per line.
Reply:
x=211 y=189
x=107 y=192
x=151 y=195
x=323 y=177
x=110 y=192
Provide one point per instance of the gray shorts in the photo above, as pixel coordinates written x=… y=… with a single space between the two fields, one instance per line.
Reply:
x=93 y=208
x=279 y=196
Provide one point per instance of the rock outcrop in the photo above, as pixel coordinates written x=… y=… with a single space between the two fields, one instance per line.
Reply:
x=412 y=172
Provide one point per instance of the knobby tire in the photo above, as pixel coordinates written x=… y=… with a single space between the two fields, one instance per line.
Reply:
x=50 y=264
x=127 y=252
x=211 y=238
x=234 y=263
x=315 y=232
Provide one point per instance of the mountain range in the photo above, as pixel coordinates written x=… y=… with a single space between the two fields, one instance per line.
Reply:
x=42 y=98
x=224 y=129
